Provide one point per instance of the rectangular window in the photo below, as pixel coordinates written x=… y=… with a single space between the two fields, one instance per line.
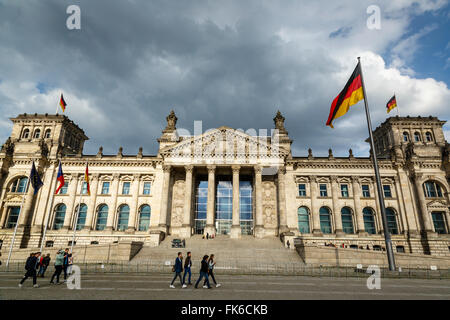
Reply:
x=13 y=216
x=387 y=191
x=126 y=188
x=439 y=223
x=302 y=190
x=365 y=191
x=105 y=188
x=323 y=190
x=84 y=188
x=344 y=190
x=147 y=188
x=63 y=190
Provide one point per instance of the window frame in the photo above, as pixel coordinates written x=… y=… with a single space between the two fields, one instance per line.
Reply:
x=300 y=191
x=365 y=193
x=343 y=191
x=323 y=193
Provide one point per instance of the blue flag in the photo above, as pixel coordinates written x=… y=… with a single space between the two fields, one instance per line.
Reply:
x=35 y=180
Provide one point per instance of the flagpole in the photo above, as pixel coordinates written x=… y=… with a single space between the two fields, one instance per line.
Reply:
x=17 y=223
x=396 y=102
x=76 y=219
x=49 y=214
x=387 y=234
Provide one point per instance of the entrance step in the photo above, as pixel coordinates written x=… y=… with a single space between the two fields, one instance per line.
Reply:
x=228 y=252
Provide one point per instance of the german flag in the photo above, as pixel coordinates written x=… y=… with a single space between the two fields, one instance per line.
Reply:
x=350 y=95
x=86 y=179
x=62 y=103
x=392 y=103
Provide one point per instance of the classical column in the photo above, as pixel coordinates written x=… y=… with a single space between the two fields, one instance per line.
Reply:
x=73 y=188
x=282 y=201
x=3 y=213
x=236 y=226
x=401 y=209
x=315 y=216
x=91 y=206
x=259 y=225
x=211 y=199
x=337 y=214
x=164 y=199
x=132 y=222
x=358 y=210
x=423 y=205
x=113 y=210
x=27 y=207
x=404 y=196
x=187 y=223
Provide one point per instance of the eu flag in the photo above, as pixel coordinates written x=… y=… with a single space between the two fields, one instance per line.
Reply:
x=35 y=180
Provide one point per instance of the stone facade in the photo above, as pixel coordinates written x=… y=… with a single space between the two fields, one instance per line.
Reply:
x=227 y=181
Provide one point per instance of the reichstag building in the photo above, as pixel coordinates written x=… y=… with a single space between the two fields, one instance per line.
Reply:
x=227 y=182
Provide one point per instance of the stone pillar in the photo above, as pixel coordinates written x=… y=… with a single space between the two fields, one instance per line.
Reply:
x=133 y=221
x=165 y=199
x=337 y=214
x=358 y=209
x=404 y=195
x=282 y=201
x=92 y=201
x=3 y=213
x=113 y=210
x=210 y=228
x=423 y=205
x=236 y=226
x=259 y=225
x=27 y=207
x=187 y=223
x=401 y=208
x=73 y=188
x=315 y=217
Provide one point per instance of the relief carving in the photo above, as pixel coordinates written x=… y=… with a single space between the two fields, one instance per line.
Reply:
x=269 y=204
x=178 y=203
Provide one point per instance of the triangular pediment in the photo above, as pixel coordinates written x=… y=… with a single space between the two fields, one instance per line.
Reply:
x=227 y=144
x=437 y=204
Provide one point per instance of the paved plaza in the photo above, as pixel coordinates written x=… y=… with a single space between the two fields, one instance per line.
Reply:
x=236 y=287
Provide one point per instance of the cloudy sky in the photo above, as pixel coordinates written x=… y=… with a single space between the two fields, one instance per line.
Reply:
x=231 y=63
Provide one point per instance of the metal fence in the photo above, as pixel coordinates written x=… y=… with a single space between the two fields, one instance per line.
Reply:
x=234 y=269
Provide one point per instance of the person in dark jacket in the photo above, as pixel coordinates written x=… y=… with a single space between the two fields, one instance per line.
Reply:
x=31 y=265
x=204 y=273
x=66 y=263
x=187 y=269
x=178 y=269
x=211 y=265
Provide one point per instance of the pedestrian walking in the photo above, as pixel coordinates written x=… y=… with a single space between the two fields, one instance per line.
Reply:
x=70 y=263
x=31 y=265
x=43 y=265
x=59 y=261
x=66 y=263
x=204 y=273
x=187 y=269
x=178 y=269
x=288 y=244
x=211 y=264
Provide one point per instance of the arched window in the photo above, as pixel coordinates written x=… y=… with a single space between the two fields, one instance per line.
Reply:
x=81 y=216
x=20 y=185
x=144 y=217
x=347 y=220
x=26 y=134
x=391 y=221
x=432 y=189
x=37 y=133
x=102 y=217
x=303 y=220
x=405 y=136
x=428 y=136
x=48 y=134
x=124 y=214
x=417 y=137
x=369 y=221
x=60 y=213
x=325 y=220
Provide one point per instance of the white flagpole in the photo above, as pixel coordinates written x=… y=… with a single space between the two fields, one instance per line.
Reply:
x=49 y=213
x=17 y=223
x=57 y=105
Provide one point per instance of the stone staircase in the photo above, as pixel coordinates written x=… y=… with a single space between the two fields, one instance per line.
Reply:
x=229 y=253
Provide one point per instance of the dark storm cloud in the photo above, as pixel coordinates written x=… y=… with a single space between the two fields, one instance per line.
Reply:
x=233 y=63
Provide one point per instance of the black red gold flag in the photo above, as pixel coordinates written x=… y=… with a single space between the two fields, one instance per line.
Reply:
x=350 y=95
x=392 y=103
